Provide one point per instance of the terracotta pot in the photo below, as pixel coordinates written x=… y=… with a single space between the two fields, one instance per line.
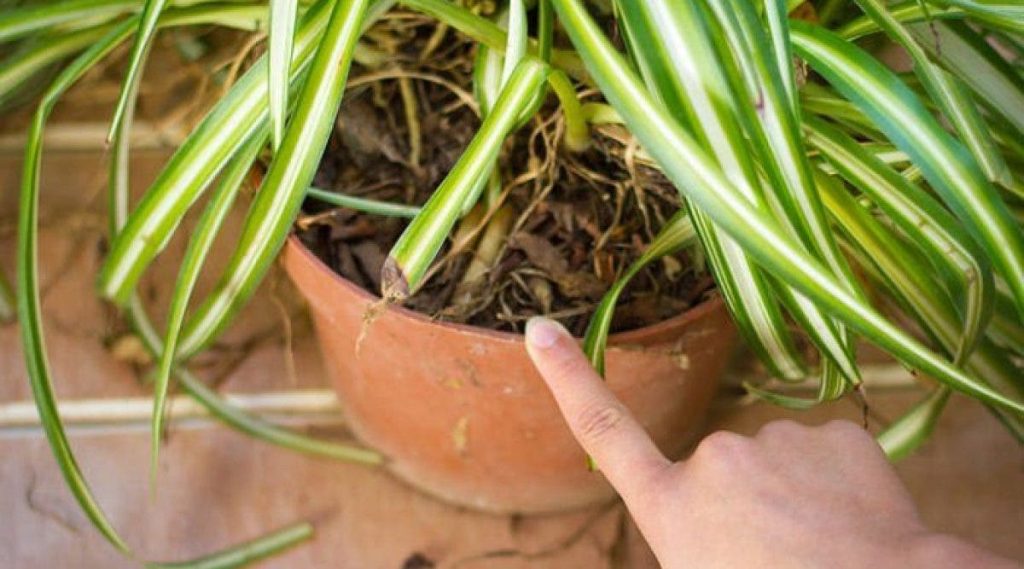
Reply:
x=463 y=415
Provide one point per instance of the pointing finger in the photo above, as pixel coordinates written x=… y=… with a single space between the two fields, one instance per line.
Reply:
x=600 y=422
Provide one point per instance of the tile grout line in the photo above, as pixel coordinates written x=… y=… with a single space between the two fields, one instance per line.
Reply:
x=308 y=406
x=91 y=136
x=319 y=406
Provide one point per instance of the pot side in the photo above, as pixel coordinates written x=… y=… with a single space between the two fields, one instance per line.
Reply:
x=461 y=413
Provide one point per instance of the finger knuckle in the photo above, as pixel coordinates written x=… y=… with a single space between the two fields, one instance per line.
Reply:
x=783 y=428
x=721 y=447
x=596 y=421
x=845 y=429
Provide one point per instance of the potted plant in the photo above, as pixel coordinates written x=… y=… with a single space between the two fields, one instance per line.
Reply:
x=821 y=192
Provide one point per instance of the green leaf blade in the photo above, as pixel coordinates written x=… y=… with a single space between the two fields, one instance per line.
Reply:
x=247 y=553
x=947 y=165
x=195 y=163
x=695 y=175
x=282 y=28
x=29 y=305
x=419 y=244
x=677 y=234
x=137 y=60
x=289 y=175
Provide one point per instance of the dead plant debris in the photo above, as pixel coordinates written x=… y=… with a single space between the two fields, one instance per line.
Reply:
x=578 y=220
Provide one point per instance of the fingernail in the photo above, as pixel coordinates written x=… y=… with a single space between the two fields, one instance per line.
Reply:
x=541 y=332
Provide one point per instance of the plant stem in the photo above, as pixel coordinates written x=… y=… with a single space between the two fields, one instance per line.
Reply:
x=577 y=133
x=366 y=205
x=485 y=255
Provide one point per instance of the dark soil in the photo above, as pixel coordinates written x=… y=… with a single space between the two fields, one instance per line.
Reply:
x=580 y=218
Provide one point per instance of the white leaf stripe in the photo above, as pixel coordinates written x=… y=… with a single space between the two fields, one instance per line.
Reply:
x=698 y=178
x=282 y=28
x=943 y=161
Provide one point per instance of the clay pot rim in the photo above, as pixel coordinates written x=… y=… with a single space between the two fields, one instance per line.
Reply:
x=631 y=336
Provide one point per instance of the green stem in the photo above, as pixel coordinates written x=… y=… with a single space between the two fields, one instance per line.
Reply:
x=577 y=133
x=375 y=207
x=488 y=33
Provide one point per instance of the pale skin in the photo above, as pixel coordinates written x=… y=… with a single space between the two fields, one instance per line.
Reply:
x=790 y=496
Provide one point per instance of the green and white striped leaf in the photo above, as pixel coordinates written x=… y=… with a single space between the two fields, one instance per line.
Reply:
x=22 y=65
x=282 y=37
x=963 y=268
x=240 y=113
x=906 y=274
x=137 y=60
x=679 y=60
x=888 y=259
x=29 y=306
x=365 y=205
x=247 y=553
x=515 y=49
x=823 y=101
x=492 y=68
x=907 y=433
x=771 y=121
x=487 y=33
x=680 y=66
x=949 y=93
x=283 y=188
x=1007 y=15
x=910 y=12
x=34 y=57
x=831 y=386
x=699 y=178
x=192 y=262
x=947 y=166
x=227 y=413
x=487 y=69
x=966 y=54
x=36 y=18
x=677 y=234
x=419 y=244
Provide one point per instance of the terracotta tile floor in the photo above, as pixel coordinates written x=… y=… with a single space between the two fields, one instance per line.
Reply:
x=218 y=487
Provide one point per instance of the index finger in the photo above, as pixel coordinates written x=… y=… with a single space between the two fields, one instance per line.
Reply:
x=600 y=422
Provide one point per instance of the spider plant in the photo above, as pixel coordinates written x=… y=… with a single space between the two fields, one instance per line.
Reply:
x=825 y=189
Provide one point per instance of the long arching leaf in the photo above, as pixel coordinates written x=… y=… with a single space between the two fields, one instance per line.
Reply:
x=963 y=267
x=248 y=552
x=290 y=173
x=677 y=234
x=240 y=113
x=697 y=176
x=29 y=306
x=945 y=163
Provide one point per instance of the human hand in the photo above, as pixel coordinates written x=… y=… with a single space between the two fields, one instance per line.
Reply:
x=791 y=496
